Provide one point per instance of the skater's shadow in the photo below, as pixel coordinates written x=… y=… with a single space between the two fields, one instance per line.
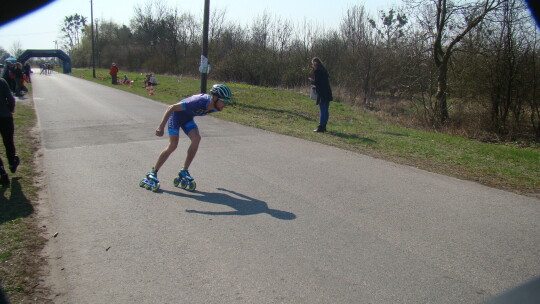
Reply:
x=242 y=204
x=17 y=206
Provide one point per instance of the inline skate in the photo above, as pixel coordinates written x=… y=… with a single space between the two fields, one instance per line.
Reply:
x=151 y=181
x=185 y=181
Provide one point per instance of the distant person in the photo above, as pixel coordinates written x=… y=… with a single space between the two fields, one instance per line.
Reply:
x=126 y=80
x=27 y=72
x=150 y=80
x=9 y=76
x=181 y=116
x=7 y=130
x=114 y=73
x=19 y=80
x=324 y=92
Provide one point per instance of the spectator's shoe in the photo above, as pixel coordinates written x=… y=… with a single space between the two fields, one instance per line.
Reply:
x=4 y=180
x=14 y=164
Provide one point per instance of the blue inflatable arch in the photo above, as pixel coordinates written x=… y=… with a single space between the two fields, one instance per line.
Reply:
x=47 y=53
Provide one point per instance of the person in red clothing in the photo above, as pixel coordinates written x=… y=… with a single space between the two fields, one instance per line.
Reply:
x=114 y=73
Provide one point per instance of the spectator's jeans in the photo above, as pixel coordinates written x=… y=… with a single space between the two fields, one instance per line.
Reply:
x=323 y=106
x=114 y=79
x=7 y=130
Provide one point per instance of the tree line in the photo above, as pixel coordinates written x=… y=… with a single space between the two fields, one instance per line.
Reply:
x=463 y=65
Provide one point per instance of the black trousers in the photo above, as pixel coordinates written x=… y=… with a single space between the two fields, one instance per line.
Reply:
x=7 y=130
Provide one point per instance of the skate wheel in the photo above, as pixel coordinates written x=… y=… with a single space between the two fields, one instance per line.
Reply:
x=147 y=186
x=141 y=183
x=155 y=188
x=183 y=184
x=192 y=186
x=176 y=181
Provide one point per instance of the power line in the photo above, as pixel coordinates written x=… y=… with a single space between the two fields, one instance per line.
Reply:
x=26 y=34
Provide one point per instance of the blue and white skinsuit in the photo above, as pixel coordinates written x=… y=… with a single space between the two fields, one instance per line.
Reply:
x=196 y=105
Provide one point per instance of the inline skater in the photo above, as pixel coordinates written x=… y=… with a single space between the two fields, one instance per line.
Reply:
x=181 y=116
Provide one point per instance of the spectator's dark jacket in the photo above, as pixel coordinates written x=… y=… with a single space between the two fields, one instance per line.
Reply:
x=5 y=72
x=322 y=85
x=19 y=74
x=7 y=101
x=27 y=69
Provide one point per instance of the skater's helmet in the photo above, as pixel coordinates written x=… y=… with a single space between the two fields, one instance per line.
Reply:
x=222 y=92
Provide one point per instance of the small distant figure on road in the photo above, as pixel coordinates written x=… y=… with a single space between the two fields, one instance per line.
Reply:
x=150 y=80
x=7 y=130
x=324 y=93
x=180 y=116
x=114 y=73
x=46 y=68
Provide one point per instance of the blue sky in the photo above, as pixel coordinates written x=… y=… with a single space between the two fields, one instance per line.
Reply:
x=40 y=29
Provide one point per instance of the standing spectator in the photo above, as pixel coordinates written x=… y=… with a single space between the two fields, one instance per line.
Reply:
x=9 y=76
x=19 y=78
x=324 y=92
x=7 y=130
x=27 y=71
x=114 y=73
x=5 y=71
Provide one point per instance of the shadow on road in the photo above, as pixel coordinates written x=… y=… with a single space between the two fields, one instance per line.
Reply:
x=305 y=117
x=17 y=206
x=243 y=204
x=353 y=137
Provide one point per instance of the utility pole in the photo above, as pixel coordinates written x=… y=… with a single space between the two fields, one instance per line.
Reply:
x=204 y=57
x=92 y=33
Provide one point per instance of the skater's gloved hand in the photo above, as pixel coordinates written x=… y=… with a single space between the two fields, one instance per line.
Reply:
x=159 y=132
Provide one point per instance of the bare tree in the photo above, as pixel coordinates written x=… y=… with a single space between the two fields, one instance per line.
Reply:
x=448 y=22
x=188 y=32
x=282 y=34
x=217 y=21
x=511 y=66
x=73 y=28
x=361 y=42
x=16 y=49
x=260 y=30
x=391 y=28
x=3 y=54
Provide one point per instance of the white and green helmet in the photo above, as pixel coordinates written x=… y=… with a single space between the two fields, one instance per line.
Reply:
x=222 y=92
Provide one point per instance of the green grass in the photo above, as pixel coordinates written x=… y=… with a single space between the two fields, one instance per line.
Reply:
x=20 y=238
x=292 y=113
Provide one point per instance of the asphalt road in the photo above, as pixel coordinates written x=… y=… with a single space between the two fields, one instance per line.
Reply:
x=275 y=219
